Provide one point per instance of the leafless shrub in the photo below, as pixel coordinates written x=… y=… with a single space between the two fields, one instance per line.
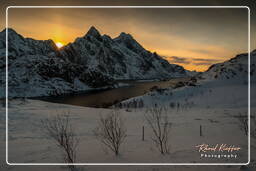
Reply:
x=135 y=104
x=158 y=121
x=111 y=131
x=243 y=123
x=61 y=130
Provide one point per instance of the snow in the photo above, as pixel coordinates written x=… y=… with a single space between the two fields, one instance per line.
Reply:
x=218 y=122
x=216 y=105
x=219 y=125
x=211 y=91
x=235 y=68
x=119 y=58
x=39 y=68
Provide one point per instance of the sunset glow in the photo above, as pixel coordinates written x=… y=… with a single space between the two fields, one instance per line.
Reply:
x=194 y=42
x=59 y=44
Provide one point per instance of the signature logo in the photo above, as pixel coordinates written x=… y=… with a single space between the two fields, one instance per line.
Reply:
x=218 y=150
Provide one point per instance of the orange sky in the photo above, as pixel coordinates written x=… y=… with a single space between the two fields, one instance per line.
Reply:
x=194 y=38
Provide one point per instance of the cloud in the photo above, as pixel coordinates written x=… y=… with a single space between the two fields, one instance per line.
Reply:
x=203 y=63
x=205 y=60
x=192 y=61
x=179 y=60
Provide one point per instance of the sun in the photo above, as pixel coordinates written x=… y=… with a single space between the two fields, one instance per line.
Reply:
x=59 y=44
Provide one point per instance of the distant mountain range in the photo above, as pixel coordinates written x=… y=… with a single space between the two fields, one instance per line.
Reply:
x=39 y=68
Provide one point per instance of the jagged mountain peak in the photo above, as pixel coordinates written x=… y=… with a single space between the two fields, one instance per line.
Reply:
x=12 y=34
x=19 y=46
x=93 y=32
x=10 y=31
x=127 y=40
x=124 y=35
x=119 y=58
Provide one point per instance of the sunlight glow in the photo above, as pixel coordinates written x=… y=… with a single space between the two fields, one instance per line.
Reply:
x=59 y=45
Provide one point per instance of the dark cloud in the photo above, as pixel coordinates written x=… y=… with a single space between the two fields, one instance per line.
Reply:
x=192 y=61
x=203 y=63
x=205 y=60
x=179 y=60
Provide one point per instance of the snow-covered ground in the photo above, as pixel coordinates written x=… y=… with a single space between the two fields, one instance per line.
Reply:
x=27 y=138
x=213 y=105
x=209 y=94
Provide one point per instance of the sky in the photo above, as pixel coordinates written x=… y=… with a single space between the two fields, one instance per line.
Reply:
x=193 y=38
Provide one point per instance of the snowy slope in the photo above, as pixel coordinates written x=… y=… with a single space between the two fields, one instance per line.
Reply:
x=223 y=84
x=235 y=68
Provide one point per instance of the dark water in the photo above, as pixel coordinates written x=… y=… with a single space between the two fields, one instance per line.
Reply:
x=106 y=98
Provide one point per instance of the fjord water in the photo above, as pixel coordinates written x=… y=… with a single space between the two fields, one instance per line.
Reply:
x=106 y=98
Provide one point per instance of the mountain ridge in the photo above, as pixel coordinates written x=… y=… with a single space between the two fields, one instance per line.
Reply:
x=39 y=68
x=93 y=61
x=123 y=56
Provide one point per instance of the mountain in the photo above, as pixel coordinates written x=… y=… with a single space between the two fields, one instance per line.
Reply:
x=34 y=69
x=235 y=68
x=39 y=68
x=120 y=58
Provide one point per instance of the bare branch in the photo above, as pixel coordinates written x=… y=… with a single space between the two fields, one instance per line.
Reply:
x=111 y=131
x=60 y=129
x=158 y=121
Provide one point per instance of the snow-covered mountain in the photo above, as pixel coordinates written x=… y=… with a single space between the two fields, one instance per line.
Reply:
x=20 y=46
x=35 y=69
x=39 y=68
x=120 y=58
x=235 y=68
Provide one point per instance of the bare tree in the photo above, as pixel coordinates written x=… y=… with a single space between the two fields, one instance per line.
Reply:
x=61 y=130
x=111 y=131
x=158 y=121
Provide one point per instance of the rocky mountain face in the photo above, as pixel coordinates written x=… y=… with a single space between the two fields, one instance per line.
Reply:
x=235 y=68
x=120 y=58
x=39 y=68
